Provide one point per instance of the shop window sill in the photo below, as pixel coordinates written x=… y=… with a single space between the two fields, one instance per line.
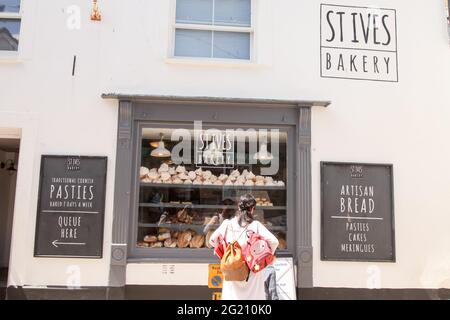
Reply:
x=10 y=57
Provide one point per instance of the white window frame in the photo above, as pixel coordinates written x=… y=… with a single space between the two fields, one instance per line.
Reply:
x=250 y=30
x=15 y=16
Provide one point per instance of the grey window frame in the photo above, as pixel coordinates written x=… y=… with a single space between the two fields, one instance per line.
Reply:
x=13 y=16
x=205 y=27
x=198 y=255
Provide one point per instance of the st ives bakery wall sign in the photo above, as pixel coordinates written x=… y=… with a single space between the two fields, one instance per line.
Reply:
x=71 y=207
x=358 y=43
x=357 y=212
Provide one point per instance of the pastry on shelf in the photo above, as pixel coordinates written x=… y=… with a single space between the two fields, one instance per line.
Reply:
x=250 y=176
x=153 y=174
x=223 y=177
x=183 y=176
x=268 y=180
x=213 y=178
x=181 y=169
x=207 y=182
x=259 y=183
x=249 y=183
x=238 y=183
x=280 y=183
x=169 y=243
x=207 y=174
x=228 y=183
x=172 y=171
x=143 y=244
x=192 y=175
x=143 y=172
x=174 y=202
x=208 y=236
x=165 y=176
x=163 y=168
x=282 y=245
x=156 y=245
x=174 y=234
x=197 y=181
x=164 y=236
x=150 y=239
x=235 y=173
x=163 y=230
x=177 y=181
x=199 y=172
x=197 y=241
x=259 y=178
x=218 y=183
x=187 y=182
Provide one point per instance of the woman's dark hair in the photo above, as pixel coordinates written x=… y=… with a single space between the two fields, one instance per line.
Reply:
x=246 y=204
x=228 y=213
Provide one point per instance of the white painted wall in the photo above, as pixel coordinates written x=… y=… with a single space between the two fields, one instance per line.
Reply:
x=403 y=123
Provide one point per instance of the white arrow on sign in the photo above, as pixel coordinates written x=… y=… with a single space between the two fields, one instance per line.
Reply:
x=56 y=242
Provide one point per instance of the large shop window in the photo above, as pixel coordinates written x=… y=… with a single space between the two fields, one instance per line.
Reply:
x=179 y=206
x=213 y=29
x=10 y=19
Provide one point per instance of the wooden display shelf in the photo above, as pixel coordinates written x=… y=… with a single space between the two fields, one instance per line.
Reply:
x=207 y=186
x=203 y=206
x=195 y=227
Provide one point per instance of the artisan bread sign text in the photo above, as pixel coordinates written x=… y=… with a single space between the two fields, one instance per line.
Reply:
x=358 y=43
x=357 y=212
x=71 y=207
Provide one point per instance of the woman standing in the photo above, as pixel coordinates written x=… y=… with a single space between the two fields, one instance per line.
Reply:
x=236 y=229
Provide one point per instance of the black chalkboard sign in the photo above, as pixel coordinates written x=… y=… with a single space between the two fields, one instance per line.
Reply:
x=357 y=212
x=71 y=207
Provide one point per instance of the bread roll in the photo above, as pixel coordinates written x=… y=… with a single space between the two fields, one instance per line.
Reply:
x=192 y=175
x=259 y=178
x=207 y=174
x=168 y=243
x=199 y=172
x=187 y=182
x=208 y=236
x=197 y=181
x=259 y=183
x=249 y=183
x=218 y=183
x=163 y=168
x=213 y=178
x=150 y=239
x=177 y=181
x=223 y=177
x=235 y=173
x=165 y=176
x=163 y=230
x=156 y=245
x=282 y=244
x=153 y=175
x=280 y=183
x=228 y=183
x=172 y=171
x=143 y=172
x=181 y=169
x=164 y=236
x=143 y=244
x=184 y=238
x=250 y=176
x=207 y=182
x=183 y=176
x=197 y=241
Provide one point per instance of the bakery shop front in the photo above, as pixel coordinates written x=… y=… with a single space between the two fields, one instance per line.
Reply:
x=180 y=162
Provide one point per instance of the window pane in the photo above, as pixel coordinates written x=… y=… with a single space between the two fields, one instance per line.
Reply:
x=231 y=45
x=193 y=43
x=9 y=34
x=194 y=11
x=232 y=12
x=9 y=5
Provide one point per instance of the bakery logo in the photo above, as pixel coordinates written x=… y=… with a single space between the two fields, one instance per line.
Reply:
x=358 y=43
x=73 y=164
x=356 y=171
x=226 y=148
